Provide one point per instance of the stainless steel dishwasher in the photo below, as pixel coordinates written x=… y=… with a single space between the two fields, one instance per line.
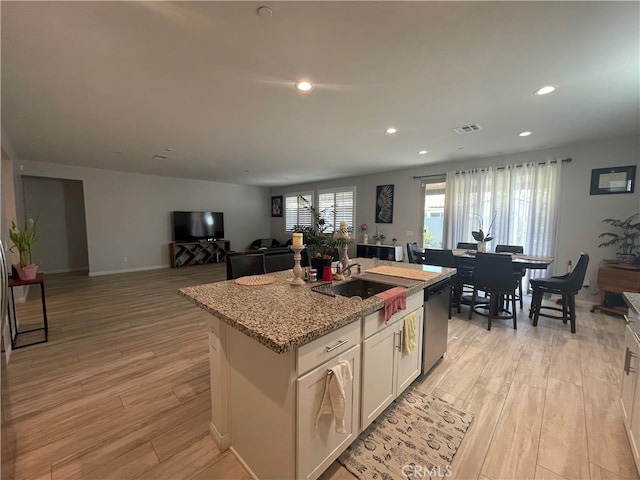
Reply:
x=436 y=323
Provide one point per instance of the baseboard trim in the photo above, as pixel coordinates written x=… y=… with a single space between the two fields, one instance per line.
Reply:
x=128 y=270
x=242 y=462
x=222 y=441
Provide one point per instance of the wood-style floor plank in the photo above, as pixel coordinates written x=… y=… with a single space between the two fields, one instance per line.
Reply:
x=563 y=439
x=514 y=446
x=122 y=390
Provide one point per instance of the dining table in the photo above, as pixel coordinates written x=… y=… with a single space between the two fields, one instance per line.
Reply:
x=518 y=259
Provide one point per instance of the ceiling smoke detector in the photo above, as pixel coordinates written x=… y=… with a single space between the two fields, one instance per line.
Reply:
x=472 y=127
x=264 y=11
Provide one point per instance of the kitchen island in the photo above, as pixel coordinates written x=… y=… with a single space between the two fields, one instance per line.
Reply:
x=271 y=348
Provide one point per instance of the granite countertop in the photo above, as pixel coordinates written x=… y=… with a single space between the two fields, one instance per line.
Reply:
x=281 y=316
x=633 y=300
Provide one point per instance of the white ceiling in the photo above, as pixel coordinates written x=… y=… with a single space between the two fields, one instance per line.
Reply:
x=110 y=84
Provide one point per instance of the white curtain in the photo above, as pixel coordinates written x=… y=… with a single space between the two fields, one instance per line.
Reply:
x=523 y=199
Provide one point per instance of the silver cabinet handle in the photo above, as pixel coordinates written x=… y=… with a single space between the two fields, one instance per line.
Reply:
x=627 y=361
x=399 y=345
x=626 y=319
x=337 y=345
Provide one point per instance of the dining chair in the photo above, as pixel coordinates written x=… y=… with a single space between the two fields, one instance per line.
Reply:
x=240 y=264
x=467 y=246
x=414 y=254
x=567 y=285
x=493 y=274
x=518 y=270
x=445 y=258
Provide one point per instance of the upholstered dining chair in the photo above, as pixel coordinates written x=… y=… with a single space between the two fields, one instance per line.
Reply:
x=241 y=264
x=493 y=274
x=567 y=285
x=414 y=254
x=445 y=258
x=518 y=271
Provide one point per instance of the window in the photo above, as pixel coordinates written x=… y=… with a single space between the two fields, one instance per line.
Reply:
x=294 y=211
x=334 y=205
x=337 y=205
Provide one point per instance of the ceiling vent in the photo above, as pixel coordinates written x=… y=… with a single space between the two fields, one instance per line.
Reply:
x=472 y=127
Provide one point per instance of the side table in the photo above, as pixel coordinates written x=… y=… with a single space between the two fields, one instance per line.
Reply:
x=615 y=278
x=13 y=322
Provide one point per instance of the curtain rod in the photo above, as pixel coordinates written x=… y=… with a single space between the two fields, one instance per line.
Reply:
x=442 y=175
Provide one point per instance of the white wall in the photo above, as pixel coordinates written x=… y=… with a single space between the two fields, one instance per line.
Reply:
x=128 y=215
x=581 y=214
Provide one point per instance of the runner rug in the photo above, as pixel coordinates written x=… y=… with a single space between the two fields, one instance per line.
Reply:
x=417 y=436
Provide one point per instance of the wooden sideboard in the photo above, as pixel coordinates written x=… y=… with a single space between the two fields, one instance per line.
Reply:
x=616 y=278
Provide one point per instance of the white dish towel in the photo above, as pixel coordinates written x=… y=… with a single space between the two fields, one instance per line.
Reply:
x=334 y=400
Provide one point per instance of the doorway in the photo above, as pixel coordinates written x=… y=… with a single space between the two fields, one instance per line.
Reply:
x=433 y=224
x=58 y=204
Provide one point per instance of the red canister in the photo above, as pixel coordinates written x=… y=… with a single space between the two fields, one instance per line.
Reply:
x=327 y=276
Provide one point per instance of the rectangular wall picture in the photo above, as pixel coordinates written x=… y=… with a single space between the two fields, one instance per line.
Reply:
x=276 y=206
x=384 y=204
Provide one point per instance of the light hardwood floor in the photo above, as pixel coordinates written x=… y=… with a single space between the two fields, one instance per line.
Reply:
x=121 y=391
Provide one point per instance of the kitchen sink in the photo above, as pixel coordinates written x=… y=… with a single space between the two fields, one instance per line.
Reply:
x=353 y=288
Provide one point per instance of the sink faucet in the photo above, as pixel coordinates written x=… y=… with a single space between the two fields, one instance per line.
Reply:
x=344 y=272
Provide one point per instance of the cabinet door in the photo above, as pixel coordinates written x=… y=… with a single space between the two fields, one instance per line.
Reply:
x=629 y=380
x=634 y=428
x=410 y=366
x=318 y=448
x=378 y=372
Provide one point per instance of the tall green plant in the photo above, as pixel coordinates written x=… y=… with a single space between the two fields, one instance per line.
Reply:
x=24 y=240
x=628 y=240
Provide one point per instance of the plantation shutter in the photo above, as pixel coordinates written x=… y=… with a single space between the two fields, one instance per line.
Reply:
x=294 y=211
x=337 y=205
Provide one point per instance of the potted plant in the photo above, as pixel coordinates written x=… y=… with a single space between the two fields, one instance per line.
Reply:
x=480 y=236
x=379 y=237
x=321 y=245
x=627 y=239
x=23 y=241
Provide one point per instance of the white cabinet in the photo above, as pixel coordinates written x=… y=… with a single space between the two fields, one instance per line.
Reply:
x=386 y=370
x=630 y=392
x=318 y=447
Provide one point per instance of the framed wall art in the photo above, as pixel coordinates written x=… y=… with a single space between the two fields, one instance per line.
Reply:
x=384 y=204
x=276 y=206
x=613 y=180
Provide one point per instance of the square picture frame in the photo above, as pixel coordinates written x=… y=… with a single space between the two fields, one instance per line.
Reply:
x=613 y=180
x=276 y=206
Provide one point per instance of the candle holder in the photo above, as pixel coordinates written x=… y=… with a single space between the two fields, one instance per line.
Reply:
x=297 y=269
x=344 y=261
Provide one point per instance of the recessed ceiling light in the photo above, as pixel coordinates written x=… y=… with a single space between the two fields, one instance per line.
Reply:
x=545 y=90
x=304 y=86
x=422 y=152
x=524 y=134
x=391 y=130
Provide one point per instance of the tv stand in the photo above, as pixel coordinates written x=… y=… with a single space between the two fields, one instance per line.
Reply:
x=182 y=254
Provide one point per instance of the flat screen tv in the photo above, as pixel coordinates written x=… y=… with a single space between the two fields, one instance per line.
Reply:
x=194 y=226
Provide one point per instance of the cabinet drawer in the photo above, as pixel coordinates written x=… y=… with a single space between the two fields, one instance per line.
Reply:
x=328 y=346
x=374 y=322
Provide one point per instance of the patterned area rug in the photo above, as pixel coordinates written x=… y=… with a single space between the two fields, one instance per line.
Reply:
x=415 y=437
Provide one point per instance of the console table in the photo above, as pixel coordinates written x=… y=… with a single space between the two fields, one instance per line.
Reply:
x=13 y=320
x=616 y=278
x=182 y=254
x=383 y=252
